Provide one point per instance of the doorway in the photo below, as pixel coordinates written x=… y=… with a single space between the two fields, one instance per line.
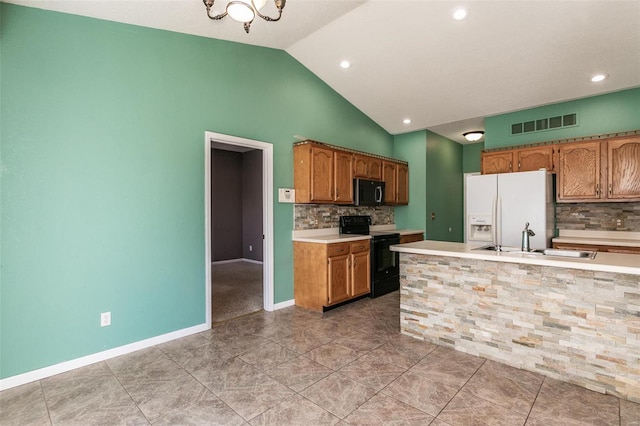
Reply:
x=228 y=273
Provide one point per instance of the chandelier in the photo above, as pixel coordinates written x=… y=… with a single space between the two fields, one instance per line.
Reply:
x=245 y=11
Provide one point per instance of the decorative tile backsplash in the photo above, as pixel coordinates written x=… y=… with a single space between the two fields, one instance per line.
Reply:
x=320 y=216
x=573 y=216
x=598 y=216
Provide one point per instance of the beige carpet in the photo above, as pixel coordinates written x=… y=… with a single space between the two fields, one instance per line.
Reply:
x=236 y=290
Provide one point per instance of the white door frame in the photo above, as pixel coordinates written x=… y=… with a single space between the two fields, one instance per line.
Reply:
x=267 y=212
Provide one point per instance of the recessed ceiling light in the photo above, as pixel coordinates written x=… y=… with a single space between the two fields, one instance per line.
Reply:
x=345 y=64
x=599 y=77
x=460 y=13
x=407 y=121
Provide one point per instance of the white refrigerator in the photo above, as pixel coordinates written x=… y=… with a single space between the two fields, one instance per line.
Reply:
x=498 y=206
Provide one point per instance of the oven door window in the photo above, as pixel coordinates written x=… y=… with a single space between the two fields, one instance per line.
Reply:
x=384 y=260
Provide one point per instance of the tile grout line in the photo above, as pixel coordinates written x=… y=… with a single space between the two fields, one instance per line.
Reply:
x=127 y=391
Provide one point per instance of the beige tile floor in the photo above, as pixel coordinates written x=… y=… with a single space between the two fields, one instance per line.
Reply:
x=349 y=366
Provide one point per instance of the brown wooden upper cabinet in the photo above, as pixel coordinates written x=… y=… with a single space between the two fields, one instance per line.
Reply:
x=579 y=171
x=322 y=175
x=519 y=160
x=367 y=167
x=343 y=177
x=623 y=165
x=402 y=184
x=497 y=162
x=607 y=170
x=389 y=176
x=536 y=158
x=396 y=178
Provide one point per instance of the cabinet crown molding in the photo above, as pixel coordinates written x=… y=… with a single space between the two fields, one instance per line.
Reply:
x=353 y=151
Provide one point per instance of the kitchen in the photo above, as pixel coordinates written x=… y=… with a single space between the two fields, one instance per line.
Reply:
x=135 y=190
x=439 y=279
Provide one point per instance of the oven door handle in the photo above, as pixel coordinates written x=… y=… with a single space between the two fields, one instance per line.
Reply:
x=390 y=241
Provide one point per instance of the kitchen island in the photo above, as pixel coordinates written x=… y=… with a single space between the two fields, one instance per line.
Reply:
x=576 y=320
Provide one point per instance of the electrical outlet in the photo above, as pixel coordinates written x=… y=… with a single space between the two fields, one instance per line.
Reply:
x=250 y=248
x=105 y=319
x=619 y=223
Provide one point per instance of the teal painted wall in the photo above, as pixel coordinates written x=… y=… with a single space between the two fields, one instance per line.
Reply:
x=471 y=157
x=444 y=190
x=412 y=147
x=613 y=112
x=102 y=149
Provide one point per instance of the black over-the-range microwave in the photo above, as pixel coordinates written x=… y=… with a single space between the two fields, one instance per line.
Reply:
x=368 y=192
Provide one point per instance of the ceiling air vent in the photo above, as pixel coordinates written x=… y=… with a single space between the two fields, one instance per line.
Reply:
x=542 y=124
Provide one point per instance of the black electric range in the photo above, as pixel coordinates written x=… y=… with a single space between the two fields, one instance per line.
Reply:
x=385 y=264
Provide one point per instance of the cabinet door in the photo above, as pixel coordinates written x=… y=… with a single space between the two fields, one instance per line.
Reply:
x=497 y=162
x=321 y=174
x=375 y=168
x=623 y=161
x=367 y=167
x=360 y=273
x=389 y=178
x=343 y=177
x=338 y=278
x=535 y=158
x=579 y=171
x=402 y=185
x=360 y=166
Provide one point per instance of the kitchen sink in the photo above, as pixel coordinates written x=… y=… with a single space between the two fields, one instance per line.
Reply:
x=579 y=254
x=567 y=253
x=491 y=247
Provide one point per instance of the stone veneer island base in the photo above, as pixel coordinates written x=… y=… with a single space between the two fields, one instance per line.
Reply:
x=579 y=326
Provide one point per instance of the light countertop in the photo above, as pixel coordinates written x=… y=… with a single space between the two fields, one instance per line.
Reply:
x=332 y=235
x=605 y=262
x=602 y=238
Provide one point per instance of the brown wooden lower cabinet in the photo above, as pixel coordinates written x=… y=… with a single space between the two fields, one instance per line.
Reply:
x=597 y=247
x=411 y=238
x=327 y=274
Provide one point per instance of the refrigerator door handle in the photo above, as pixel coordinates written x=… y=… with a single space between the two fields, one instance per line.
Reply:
x=499 y=221
x=494 y=224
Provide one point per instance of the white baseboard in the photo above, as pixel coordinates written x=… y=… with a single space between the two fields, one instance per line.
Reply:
x=284 y=304
x=43 y=373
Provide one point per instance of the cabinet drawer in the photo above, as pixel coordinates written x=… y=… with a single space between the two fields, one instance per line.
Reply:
x=337 y=249
x=359 y=246
x=410 y=238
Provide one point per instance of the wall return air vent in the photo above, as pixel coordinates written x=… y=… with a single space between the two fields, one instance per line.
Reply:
x=541 y=124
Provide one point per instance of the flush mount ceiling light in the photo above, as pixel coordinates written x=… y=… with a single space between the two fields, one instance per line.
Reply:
x=473 y=136
x=345 y=64
x=244 y=11
x=599 y=77
x=460 y=13
x=407 y=121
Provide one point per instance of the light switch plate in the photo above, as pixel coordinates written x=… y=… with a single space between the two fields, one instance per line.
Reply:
x=286 y=195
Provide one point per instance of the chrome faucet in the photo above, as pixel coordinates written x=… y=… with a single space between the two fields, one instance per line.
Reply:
x=526 y=234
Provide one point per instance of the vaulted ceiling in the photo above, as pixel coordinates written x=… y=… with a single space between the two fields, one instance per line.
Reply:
x=411 y=59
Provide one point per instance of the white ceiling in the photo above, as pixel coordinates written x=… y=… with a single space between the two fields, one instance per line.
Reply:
x=411 y=59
